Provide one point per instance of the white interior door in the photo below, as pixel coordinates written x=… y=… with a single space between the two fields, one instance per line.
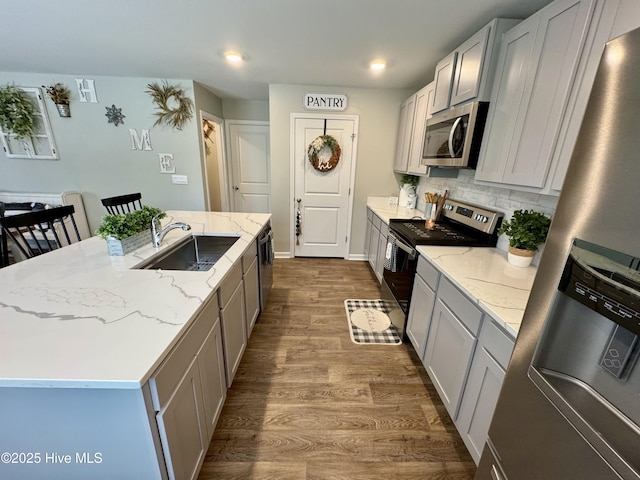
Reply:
x=325 y=196
x=250 y=167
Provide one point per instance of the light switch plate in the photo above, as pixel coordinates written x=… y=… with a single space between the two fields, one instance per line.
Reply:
x=180 y=179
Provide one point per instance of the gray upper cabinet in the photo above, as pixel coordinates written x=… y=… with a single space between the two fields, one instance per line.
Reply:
x=405 y=129
x=423 y=99
x=467 y=73
x=543 y=78
x=466 y=81
x=444 y=79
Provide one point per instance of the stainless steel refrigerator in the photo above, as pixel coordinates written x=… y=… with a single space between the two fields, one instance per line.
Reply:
x=570 y=403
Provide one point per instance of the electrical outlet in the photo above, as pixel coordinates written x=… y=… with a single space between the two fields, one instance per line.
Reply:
x=180 y=179
x=393 y=201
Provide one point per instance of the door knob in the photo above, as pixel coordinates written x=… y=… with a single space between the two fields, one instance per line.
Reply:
x=235 y=187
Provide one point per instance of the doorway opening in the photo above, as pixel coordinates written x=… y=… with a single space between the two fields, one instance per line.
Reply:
x=214 y=165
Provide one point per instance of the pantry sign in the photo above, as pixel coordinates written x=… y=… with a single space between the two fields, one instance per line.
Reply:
x=325 y=101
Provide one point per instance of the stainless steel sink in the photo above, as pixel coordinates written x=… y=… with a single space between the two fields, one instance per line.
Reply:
x=196 y=253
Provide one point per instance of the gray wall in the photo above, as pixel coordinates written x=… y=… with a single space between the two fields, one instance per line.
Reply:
x=246 y=110
x=379 y=112
x=96 y=158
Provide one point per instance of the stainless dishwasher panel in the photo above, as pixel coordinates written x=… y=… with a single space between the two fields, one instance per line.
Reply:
x=265 y=259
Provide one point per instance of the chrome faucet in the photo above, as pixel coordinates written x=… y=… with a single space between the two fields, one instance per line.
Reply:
x=158 y=234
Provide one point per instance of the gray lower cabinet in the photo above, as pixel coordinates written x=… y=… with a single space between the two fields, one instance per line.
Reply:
x=451 y=342
x=251 y=283
x=376 y=243
x=188 y=391
x=423 y=299
x=464 y=352
x=483 y=386
x=182 y=429
x=232 y=318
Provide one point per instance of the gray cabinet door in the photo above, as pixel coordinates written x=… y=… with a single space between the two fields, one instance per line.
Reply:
x=561 y=35
x=479 y=402
x=374 y=238
x=423 y=98
x=507 y=99
x=422 y=301
x=443 y=78
x=468 y=70
x=382 y=248
x=407 y=111
x=450 y=348
x=536 y=70
x=182 y=428
x=212 y=378
x=232 y=316
x=481 y=392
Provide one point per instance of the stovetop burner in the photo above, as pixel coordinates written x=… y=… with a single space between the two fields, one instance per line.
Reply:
x=439 y=231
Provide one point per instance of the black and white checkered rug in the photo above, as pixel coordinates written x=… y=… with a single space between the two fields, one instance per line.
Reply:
x=369 y=323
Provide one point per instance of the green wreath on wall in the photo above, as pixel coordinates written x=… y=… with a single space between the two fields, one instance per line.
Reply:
x=324 y=153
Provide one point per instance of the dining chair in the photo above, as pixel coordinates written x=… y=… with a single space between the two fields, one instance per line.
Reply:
x=41 y=231
x=123 y=203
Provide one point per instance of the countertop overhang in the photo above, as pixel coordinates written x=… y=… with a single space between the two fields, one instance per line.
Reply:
x=79 y=318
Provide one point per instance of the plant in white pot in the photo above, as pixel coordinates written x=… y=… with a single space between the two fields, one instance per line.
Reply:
x=526 y=230
x=125 y=233
x=408 y=197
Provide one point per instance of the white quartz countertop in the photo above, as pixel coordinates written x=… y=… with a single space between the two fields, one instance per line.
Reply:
x=380 y=206
x=485 y=276
x=78 y=318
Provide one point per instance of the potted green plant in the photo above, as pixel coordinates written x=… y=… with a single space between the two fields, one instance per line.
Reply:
x=126 y=232
x=61 y=96
x=16 y=112
x=526 y=230
x=408 y=179
x=408 y=196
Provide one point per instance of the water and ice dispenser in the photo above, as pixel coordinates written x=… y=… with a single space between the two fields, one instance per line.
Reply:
x=586 y=360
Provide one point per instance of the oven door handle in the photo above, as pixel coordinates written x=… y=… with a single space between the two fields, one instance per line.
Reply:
x=403 y=246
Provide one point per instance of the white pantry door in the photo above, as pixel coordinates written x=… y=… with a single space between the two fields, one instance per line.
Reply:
x=325 y=197
x=250 y=167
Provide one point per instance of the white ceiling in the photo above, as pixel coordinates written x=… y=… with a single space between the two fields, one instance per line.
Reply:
x=328 y=42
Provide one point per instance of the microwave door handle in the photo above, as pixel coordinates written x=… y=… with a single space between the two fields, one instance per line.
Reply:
x=451 y=133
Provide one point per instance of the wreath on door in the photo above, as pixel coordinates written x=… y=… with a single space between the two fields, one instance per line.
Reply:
x=324 y=153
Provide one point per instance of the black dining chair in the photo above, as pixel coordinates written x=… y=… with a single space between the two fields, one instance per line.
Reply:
x=123 y=203
x=41 y=231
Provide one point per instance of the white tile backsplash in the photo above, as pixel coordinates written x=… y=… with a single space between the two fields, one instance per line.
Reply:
x=500 y=199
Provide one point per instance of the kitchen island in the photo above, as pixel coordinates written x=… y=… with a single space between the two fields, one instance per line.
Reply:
x=84 y=338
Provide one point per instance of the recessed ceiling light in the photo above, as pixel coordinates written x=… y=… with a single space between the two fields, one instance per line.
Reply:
x=233 y=56
x=377 y=65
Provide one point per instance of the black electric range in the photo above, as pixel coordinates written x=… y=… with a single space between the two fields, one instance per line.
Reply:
x=461 y=224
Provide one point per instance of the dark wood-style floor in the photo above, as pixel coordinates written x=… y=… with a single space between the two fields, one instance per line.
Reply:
x=307 y=403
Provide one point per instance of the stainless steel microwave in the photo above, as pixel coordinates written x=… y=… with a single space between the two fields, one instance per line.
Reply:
x=452 y=138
